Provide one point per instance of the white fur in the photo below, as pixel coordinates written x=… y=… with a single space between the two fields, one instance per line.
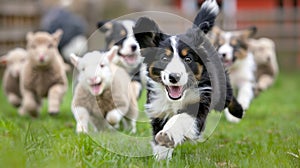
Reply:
x=114 y=116
x=161 y=152
x=78 y=46
x=81 y=116
x=242 y=79
x=211 y=5
x=179 y=127
x=226 y=49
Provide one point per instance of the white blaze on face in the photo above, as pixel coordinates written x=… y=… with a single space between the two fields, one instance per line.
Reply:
x=174 y=76
x=225 y=50
x=130 y=46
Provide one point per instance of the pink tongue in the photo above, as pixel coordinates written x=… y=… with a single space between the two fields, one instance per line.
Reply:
x=175 y=91
x=96 y=88
x=130 y=59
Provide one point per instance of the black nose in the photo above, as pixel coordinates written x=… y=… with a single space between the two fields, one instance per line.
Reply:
x=174 y=77
x=133 y=47
x=223 y=55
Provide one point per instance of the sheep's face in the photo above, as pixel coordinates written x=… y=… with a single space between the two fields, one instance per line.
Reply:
x=14 y=61
x=42 y=47
x=263 y=50
x=94 y=71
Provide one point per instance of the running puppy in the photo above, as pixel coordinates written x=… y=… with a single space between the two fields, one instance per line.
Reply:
x=120 y=33
x=233 y=49
x=179 y=87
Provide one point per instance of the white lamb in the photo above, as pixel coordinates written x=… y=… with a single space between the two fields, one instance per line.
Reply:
x=43 y=74
x=103 y=93
x=14 y=61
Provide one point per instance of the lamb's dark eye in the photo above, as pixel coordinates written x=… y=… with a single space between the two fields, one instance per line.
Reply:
x=50 y=46
x=83 y=69
x=188 y=59
x=101 y=65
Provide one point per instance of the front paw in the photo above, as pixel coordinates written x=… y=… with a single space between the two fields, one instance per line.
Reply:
x=164 y=139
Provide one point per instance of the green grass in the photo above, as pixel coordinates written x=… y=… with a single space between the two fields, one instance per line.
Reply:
x=267 y=137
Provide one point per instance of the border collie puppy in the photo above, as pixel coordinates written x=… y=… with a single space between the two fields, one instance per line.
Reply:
x=128 y=57
x=232 y=47
x=179 y=89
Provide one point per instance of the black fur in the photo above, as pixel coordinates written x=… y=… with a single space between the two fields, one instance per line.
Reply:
x=155 y=46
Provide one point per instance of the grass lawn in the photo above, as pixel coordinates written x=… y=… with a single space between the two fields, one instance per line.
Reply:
x=269 y=136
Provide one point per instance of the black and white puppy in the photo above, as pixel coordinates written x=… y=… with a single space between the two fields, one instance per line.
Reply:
x=179 y=88
x=232 y=47
x=128 y=57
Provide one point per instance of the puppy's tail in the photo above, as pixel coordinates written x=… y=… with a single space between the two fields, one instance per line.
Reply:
x=235 y=111
x=206 y=17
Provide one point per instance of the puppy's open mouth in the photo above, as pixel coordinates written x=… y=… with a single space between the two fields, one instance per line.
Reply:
x=129 y=58
x=175 y=92
x=96 y=87
x=227 y=63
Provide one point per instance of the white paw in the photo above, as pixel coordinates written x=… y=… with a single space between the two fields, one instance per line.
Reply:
x=161 y=152
x=165 y=139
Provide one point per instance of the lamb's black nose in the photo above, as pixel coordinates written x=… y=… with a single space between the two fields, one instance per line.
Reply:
x=174 y=77
x=133 y=47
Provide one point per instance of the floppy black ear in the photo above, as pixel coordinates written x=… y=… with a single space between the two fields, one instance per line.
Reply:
x=104 y=25
x=147 y=33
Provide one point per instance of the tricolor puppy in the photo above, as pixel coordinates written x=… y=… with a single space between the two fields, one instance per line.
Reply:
x=128 y=56
x=265 y=58
x=232 y=47
x=178 y=86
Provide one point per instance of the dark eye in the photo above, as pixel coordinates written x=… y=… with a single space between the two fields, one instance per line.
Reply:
x=50 y=46
x=83 y=69
x=101 y=65
x=188 y=59
x=164 y=59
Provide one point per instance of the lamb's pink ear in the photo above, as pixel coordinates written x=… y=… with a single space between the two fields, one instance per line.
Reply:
x=29 y=36
x=112 y=53
x=3 y=60
x=74 y=59
x=57 y=34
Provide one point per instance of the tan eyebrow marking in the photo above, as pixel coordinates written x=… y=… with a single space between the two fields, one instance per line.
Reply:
x=122 y=33
x=168 y=52
x=184 y=52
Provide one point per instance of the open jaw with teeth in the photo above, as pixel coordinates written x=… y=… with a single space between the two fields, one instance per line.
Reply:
x=96 y=87
x=175 y=92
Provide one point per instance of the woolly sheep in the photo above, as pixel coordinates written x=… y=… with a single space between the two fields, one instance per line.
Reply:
x=265 y=58
x=43 y=74
x=14 y=61
x=103 y=93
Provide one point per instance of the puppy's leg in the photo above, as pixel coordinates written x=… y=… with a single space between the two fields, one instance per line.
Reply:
x=55 y=96
x=177 y=129
x=245 y=95
x=82 y=117
x=14 y=99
